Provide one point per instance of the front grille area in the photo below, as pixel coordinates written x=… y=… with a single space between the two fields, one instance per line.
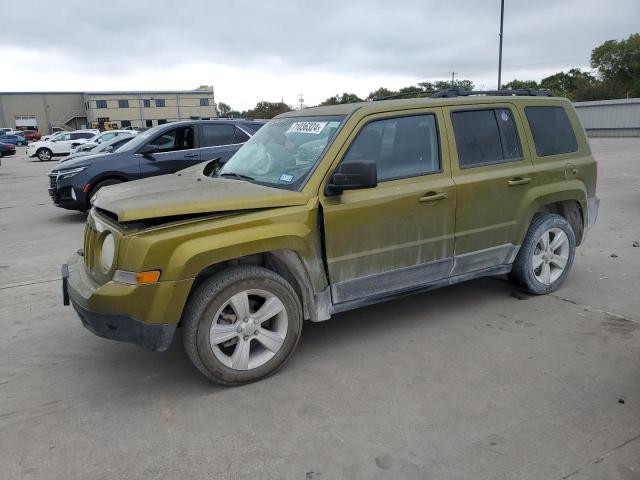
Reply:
x=52 y=181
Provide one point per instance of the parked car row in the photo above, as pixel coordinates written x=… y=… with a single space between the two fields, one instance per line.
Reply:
x=60 y=143
x=160 y=150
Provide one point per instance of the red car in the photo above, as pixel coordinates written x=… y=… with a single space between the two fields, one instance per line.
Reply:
x=31 y=135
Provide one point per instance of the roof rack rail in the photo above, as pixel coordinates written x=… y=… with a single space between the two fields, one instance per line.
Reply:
x=520 y=92
x=459 y=92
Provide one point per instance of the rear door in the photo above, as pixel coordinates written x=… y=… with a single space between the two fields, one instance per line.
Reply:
x=61 y=144
x=220 y=140
x=493 y=174
x=177 y=149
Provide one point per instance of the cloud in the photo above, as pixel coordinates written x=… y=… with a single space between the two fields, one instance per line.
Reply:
x=252 y=50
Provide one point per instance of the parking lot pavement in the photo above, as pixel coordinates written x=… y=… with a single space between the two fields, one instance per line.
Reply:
x=475 y=381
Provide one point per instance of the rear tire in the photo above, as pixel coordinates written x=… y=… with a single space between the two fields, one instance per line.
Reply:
x=546 y=255
x=242 y=325
x=44 y=154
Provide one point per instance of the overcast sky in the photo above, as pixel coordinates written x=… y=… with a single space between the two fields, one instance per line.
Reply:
x=268 y=50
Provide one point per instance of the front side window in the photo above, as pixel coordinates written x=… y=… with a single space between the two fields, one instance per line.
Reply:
x=486 y=137
x=284 y=152
x=552 y=131
x=123 y=103
x=64 y=137
x=401 y=147
x=176 y=139
x=101 y=104
x=160 y=102
x=214 y=135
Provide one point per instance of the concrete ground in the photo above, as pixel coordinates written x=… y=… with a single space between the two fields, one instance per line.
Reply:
x=475 y=381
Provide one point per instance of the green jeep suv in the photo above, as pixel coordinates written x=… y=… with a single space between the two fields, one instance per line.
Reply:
x=331 y=208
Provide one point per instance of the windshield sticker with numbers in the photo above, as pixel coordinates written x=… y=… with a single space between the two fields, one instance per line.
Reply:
x=307 y=127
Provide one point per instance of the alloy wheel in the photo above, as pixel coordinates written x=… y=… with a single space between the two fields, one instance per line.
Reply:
x=249 y=329
x=550 y=256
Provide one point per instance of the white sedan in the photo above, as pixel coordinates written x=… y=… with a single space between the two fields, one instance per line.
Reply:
x=98 y=139
x=59 y=144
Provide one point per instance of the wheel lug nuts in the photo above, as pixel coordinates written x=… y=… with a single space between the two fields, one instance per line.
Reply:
x=245 y=320
x=246 y=337
x=256 y=332
x=239 y=329
x=255 y=321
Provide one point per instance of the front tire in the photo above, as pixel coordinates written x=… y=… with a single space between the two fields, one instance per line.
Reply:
x=546 y=255
x=242 y=325
x=44 y=154
x=19 y=144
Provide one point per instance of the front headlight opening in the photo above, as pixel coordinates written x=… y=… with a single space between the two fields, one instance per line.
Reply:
x=71 y=172
x=107 y=251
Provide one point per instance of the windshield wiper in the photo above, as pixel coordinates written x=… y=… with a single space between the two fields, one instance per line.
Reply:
x=239 y=176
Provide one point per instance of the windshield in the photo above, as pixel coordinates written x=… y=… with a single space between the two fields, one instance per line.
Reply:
x=140 y=139
x=283 y=152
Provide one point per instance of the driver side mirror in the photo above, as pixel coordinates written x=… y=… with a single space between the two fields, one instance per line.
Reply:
x=148 y=150
x=353 y=175
x=108 y=149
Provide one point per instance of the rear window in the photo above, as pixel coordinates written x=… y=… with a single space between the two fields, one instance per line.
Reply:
x=486 y=137
x=552 y=131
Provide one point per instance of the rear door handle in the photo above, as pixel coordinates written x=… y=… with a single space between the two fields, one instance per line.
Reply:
x=518 y=181
x=432 y=197
x=190 y=155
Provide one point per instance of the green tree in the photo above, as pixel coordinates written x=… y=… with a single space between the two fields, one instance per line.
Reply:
x=224 y=110
x=564 y=84
x=618 y=63
x=268 y=110
x=340 y=99
x=518 y=84
x=380 y=92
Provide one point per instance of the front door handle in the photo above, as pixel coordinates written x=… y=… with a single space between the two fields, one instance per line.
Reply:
x=518 y=181
x=432 y=197
x=190 y=155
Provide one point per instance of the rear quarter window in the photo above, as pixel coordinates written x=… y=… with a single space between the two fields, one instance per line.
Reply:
x=552 y=131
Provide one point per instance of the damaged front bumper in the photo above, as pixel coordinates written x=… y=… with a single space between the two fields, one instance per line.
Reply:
x=123 y=312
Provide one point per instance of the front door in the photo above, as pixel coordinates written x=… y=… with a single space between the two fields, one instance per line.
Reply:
x=176 y=151
x=493 y=174
x=400 y=234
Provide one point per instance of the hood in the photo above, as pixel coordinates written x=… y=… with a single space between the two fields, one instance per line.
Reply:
x=77 y=155
x=189 y=192
x=73 y=160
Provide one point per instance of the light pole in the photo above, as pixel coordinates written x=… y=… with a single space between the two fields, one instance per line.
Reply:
x=500 y=51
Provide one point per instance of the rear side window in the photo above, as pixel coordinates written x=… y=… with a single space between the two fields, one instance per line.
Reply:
x=214 y=135
x=486 y=137
x=240 y=136
x=552 y=131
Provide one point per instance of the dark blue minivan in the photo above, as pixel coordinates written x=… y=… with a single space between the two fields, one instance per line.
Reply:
x=160 y=150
